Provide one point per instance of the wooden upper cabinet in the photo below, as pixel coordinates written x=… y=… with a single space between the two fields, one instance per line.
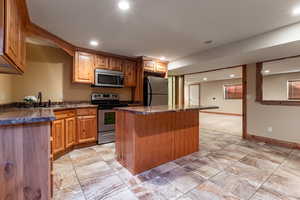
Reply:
x=12 y=28
x=130 y=73
x=70 y=132
x=14 y=47
x=156 y=66
x=101 y=62
x=83 y=68
x=161 y=67
x=58 y=134
x=115 y=64
x=23 y=50
x=86 y=129
x=149 y=65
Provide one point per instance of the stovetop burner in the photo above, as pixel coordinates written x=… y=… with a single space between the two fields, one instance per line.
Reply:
x=106 y=100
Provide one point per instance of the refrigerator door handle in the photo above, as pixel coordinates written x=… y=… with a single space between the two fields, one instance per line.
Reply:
x=150 y=92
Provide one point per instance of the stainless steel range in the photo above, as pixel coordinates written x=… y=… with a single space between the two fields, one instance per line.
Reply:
x=106 y=115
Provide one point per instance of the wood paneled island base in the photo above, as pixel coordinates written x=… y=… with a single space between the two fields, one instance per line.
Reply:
x=144 y=141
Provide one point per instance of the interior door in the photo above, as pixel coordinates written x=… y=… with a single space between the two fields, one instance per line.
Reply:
x=194 y=94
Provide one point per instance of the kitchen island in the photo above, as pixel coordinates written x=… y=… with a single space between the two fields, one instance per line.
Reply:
x=147 y=137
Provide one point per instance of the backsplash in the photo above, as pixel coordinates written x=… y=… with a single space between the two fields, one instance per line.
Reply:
x=49 y=70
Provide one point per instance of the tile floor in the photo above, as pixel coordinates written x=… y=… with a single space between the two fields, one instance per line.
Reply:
x=222 y=123
x=225 y=167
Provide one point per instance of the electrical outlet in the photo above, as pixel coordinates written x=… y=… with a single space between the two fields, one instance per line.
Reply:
x=270 y=129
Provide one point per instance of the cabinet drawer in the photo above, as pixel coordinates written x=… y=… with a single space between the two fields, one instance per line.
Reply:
x=86 y=111
x=64 y=114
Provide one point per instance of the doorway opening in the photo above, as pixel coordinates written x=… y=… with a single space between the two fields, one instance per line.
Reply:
x=224 y=88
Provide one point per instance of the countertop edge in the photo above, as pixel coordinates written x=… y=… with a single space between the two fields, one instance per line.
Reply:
x=38 y=119
x=164 y=111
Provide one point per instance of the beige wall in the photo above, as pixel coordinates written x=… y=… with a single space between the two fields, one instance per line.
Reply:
x=284 y=120
x=49 y=70
x=5 y=88
x=214 y=89
x=275 y=86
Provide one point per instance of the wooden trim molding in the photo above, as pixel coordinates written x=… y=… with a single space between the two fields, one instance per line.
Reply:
x=33 y=29
x=259 y=90
x=24 y=12
x=259 y=80
x=244 y=100
x=102 y=53
x=222 y=113
x=292 y=145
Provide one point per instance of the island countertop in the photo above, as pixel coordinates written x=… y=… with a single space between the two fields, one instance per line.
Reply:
x=145 y=110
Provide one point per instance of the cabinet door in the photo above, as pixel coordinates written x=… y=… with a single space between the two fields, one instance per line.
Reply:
x=149 y=65
x=13 y=28
x=115 y=64
x=101 y=62
x=161 y=67
x=70 y=132
x=129 y=69
x=83 y=68
x=86 y=129
x=58 y=134
x=22 y=49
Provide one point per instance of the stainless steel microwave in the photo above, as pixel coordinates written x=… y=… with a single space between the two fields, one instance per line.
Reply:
x=108 y=78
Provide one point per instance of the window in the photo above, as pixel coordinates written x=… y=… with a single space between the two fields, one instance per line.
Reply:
x=233 y=91
x=294 y=90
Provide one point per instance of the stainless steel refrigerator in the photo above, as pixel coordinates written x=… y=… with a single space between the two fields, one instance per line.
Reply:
x=155 y=91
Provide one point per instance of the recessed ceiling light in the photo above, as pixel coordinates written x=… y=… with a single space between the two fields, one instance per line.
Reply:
x=205 y=79
x=208 y=42
x=267 y=71
x=162 y=58
x=296 y=11
x=94 y=43
x=232 y=75
x=124 y=5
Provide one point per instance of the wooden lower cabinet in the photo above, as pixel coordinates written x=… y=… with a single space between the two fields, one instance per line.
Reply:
x=70 y=132
x=58 y=134
x=86 y=129
x=73 y=128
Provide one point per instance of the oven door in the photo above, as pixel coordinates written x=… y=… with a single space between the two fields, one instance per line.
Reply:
x=107 y=78
x=107 y=120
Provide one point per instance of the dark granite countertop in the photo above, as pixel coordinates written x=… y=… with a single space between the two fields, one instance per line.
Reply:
x=72 y=106
x=144 y=110
x=14 y=115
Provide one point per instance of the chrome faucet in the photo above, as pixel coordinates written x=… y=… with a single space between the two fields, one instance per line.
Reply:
x=40 y=98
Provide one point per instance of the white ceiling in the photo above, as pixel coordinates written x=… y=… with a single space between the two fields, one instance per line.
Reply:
x=222 y=74
x=291 y=65
x=170 y=28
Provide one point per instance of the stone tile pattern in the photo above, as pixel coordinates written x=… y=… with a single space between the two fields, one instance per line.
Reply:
x=225 y=168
